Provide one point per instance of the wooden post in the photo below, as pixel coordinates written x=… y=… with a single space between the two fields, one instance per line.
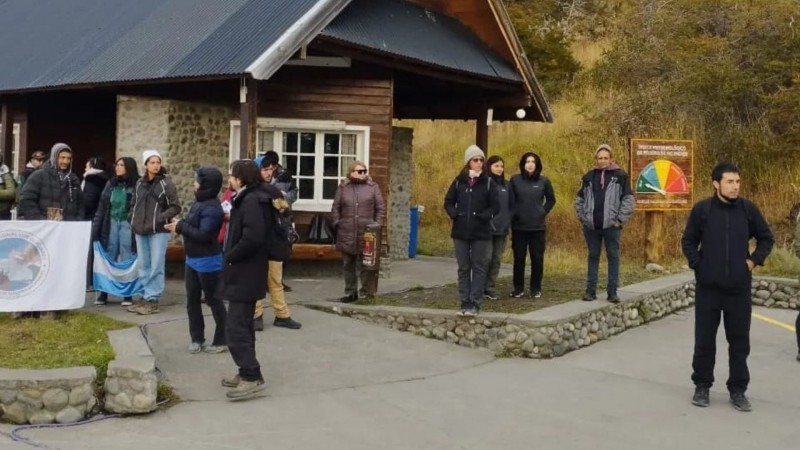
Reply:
x=654 y=236
x=482 y=131
x=7 y=133
x=248 y=106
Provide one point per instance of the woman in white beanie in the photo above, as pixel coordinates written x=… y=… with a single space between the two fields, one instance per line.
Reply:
x=155 y=203
x=471 y=202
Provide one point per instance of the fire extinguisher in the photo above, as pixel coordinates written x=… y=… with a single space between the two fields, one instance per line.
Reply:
x=370 y=249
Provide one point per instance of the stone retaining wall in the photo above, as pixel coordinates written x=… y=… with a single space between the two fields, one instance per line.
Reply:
x=47 y=396
x=545 y=333
x=131 y=386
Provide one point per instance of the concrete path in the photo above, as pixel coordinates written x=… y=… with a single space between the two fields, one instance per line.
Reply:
x=344 y=384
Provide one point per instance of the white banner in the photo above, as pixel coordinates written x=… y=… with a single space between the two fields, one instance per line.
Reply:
x=43 y=265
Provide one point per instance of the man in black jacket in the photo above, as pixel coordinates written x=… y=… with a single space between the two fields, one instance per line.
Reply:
x=53 y=193
x=716 y=244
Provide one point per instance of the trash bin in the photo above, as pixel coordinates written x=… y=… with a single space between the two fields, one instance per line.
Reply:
x=413 y=232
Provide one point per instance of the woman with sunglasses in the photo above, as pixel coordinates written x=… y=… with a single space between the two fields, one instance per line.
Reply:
x=471 y=203
x=358 y=203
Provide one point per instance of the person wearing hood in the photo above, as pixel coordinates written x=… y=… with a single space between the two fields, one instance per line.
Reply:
x=155 y=204
x=203 y=259
x=358 y=202
x=95 y=176
x=110 y=224
x=54 y=192
x=8 y=190
x=471 y=203
x=495 y=169
x=604 y=204
x=532 y=198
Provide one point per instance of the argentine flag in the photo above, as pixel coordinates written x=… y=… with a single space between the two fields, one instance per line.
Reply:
x=116 y=278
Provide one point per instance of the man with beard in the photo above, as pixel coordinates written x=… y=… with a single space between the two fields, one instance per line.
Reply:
x=54 y=192
x=716 y=244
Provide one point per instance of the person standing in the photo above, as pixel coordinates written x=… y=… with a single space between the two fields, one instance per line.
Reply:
x=604 y=204
x=244 y=279
x=53 y=193
x=716 y=245
x=358 y=202
x=203 y=259
x=532 y=199
x=110 y=224
x=36 y=161
x=495 y=169
x=8 y=190
x=95 y=176
x=155 y=204
x=285 y=182
x=471 y=203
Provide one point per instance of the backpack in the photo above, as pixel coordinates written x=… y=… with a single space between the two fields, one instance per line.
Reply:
x=705 y=211
x=279 y=238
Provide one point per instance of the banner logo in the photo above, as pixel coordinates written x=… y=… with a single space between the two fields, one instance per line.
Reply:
x=24 y=263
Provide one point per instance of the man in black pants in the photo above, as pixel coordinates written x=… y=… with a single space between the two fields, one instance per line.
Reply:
x=716 y=244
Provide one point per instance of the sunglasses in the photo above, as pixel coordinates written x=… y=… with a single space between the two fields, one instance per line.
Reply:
x=360 y=171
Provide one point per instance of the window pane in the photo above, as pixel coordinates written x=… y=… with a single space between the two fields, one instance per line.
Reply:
x=307 y=142
x=348 y=144
x=265 y=141
x=329 y=189
x=306 y=188
x=306 y=166
x=290 y=163
x=346 y=161
x=332 y=144
x=290 y=142
x=331 y=166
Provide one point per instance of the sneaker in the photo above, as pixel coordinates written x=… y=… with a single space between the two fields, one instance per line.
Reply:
x=215 y=349
x=287 y=323
x=517 y=294
x=700 y=397
x=126 y=302
x=231 y=381
x=537 y=294
x=349 y=298
x=246 y=389
x=147 y=308
x=134 y=306
x=258 y=323
x=471 y=312
x=460 y=312
x=101 y=299
x=490 y=296
x=740 y=401
x=195 y=347
x=286 y=288
x=613 y=298
x=588 y=296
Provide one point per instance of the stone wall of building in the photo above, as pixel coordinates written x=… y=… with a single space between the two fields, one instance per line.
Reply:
x=401 y=180
x=47 y=396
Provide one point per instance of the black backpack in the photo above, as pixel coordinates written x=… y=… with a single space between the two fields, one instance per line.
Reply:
x=279 y=238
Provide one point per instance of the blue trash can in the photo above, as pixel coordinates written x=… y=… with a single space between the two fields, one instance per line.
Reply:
x=413 y=232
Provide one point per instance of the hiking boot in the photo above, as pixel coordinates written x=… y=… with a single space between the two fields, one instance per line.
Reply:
x=536 y=294
x=490 y=296
x=258 y=323
x=101 y=299
x=134 y=306
x=231 y=381
x=215 y=349
x=517 y=294
x=246 y=389
x=349 y=298
x=287 y=323
x=700 y=397
x=195 y=347
x=286 y=288
x=588 y=296
x=613 y=298
x=740 y=401
x=147 y=308
x=126 y=302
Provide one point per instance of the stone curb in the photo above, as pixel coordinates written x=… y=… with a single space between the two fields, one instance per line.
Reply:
x=131 y=385
x=64 y=395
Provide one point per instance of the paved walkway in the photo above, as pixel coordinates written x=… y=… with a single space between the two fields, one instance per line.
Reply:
x=343 y=384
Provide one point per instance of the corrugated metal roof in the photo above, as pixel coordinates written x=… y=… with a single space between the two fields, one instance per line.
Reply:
x=47 y=43
x=407 y=30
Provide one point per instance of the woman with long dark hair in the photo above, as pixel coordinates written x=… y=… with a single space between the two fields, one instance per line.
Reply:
x=471 y=204
x=495 y=169
x=110 y=224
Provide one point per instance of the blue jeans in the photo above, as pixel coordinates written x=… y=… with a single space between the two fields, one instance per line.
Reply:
x=594 y=241
x=152 y=257
x=120 y=241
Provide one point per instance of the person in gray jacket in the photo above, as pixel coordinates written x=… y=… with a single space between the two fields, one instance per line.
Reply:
x=604 y=204
x=532 y=198
x=495 y=169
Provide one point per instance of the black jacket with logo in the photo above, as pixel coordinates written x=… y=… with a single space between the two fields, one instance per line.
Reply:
x=532 y=198
x=471 y=208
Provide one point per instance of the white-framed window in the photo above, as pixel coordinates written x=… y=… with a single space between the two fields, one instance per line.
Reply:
x=14 y=151
x=316 y=152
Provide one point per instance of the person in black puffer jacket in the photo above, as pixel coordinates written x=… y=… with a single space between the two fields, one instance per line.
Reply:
x=203 y=259
x=54 y=191
x=532 y=198
x=471 y=203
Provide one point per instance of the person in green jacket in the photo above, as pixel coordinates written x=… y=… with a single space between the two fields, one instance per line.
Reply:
x=8 y=190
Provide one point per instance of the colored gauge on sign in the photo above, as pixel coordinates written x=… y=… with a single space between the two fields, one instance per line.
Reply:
x=662 y=177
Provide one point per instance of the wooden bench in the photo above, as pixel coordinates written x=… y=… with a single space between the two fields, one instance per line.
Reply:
x=300 y=252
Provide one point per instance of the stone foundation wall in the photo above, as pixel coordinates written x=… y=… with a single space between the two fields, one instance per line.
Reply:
x=401 y=179
x=131 y=386
x=776 y=293
x=47 y=396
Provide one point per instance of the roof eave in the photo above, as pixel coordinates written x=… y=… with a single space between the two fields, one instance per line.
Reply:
x=299 y=34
